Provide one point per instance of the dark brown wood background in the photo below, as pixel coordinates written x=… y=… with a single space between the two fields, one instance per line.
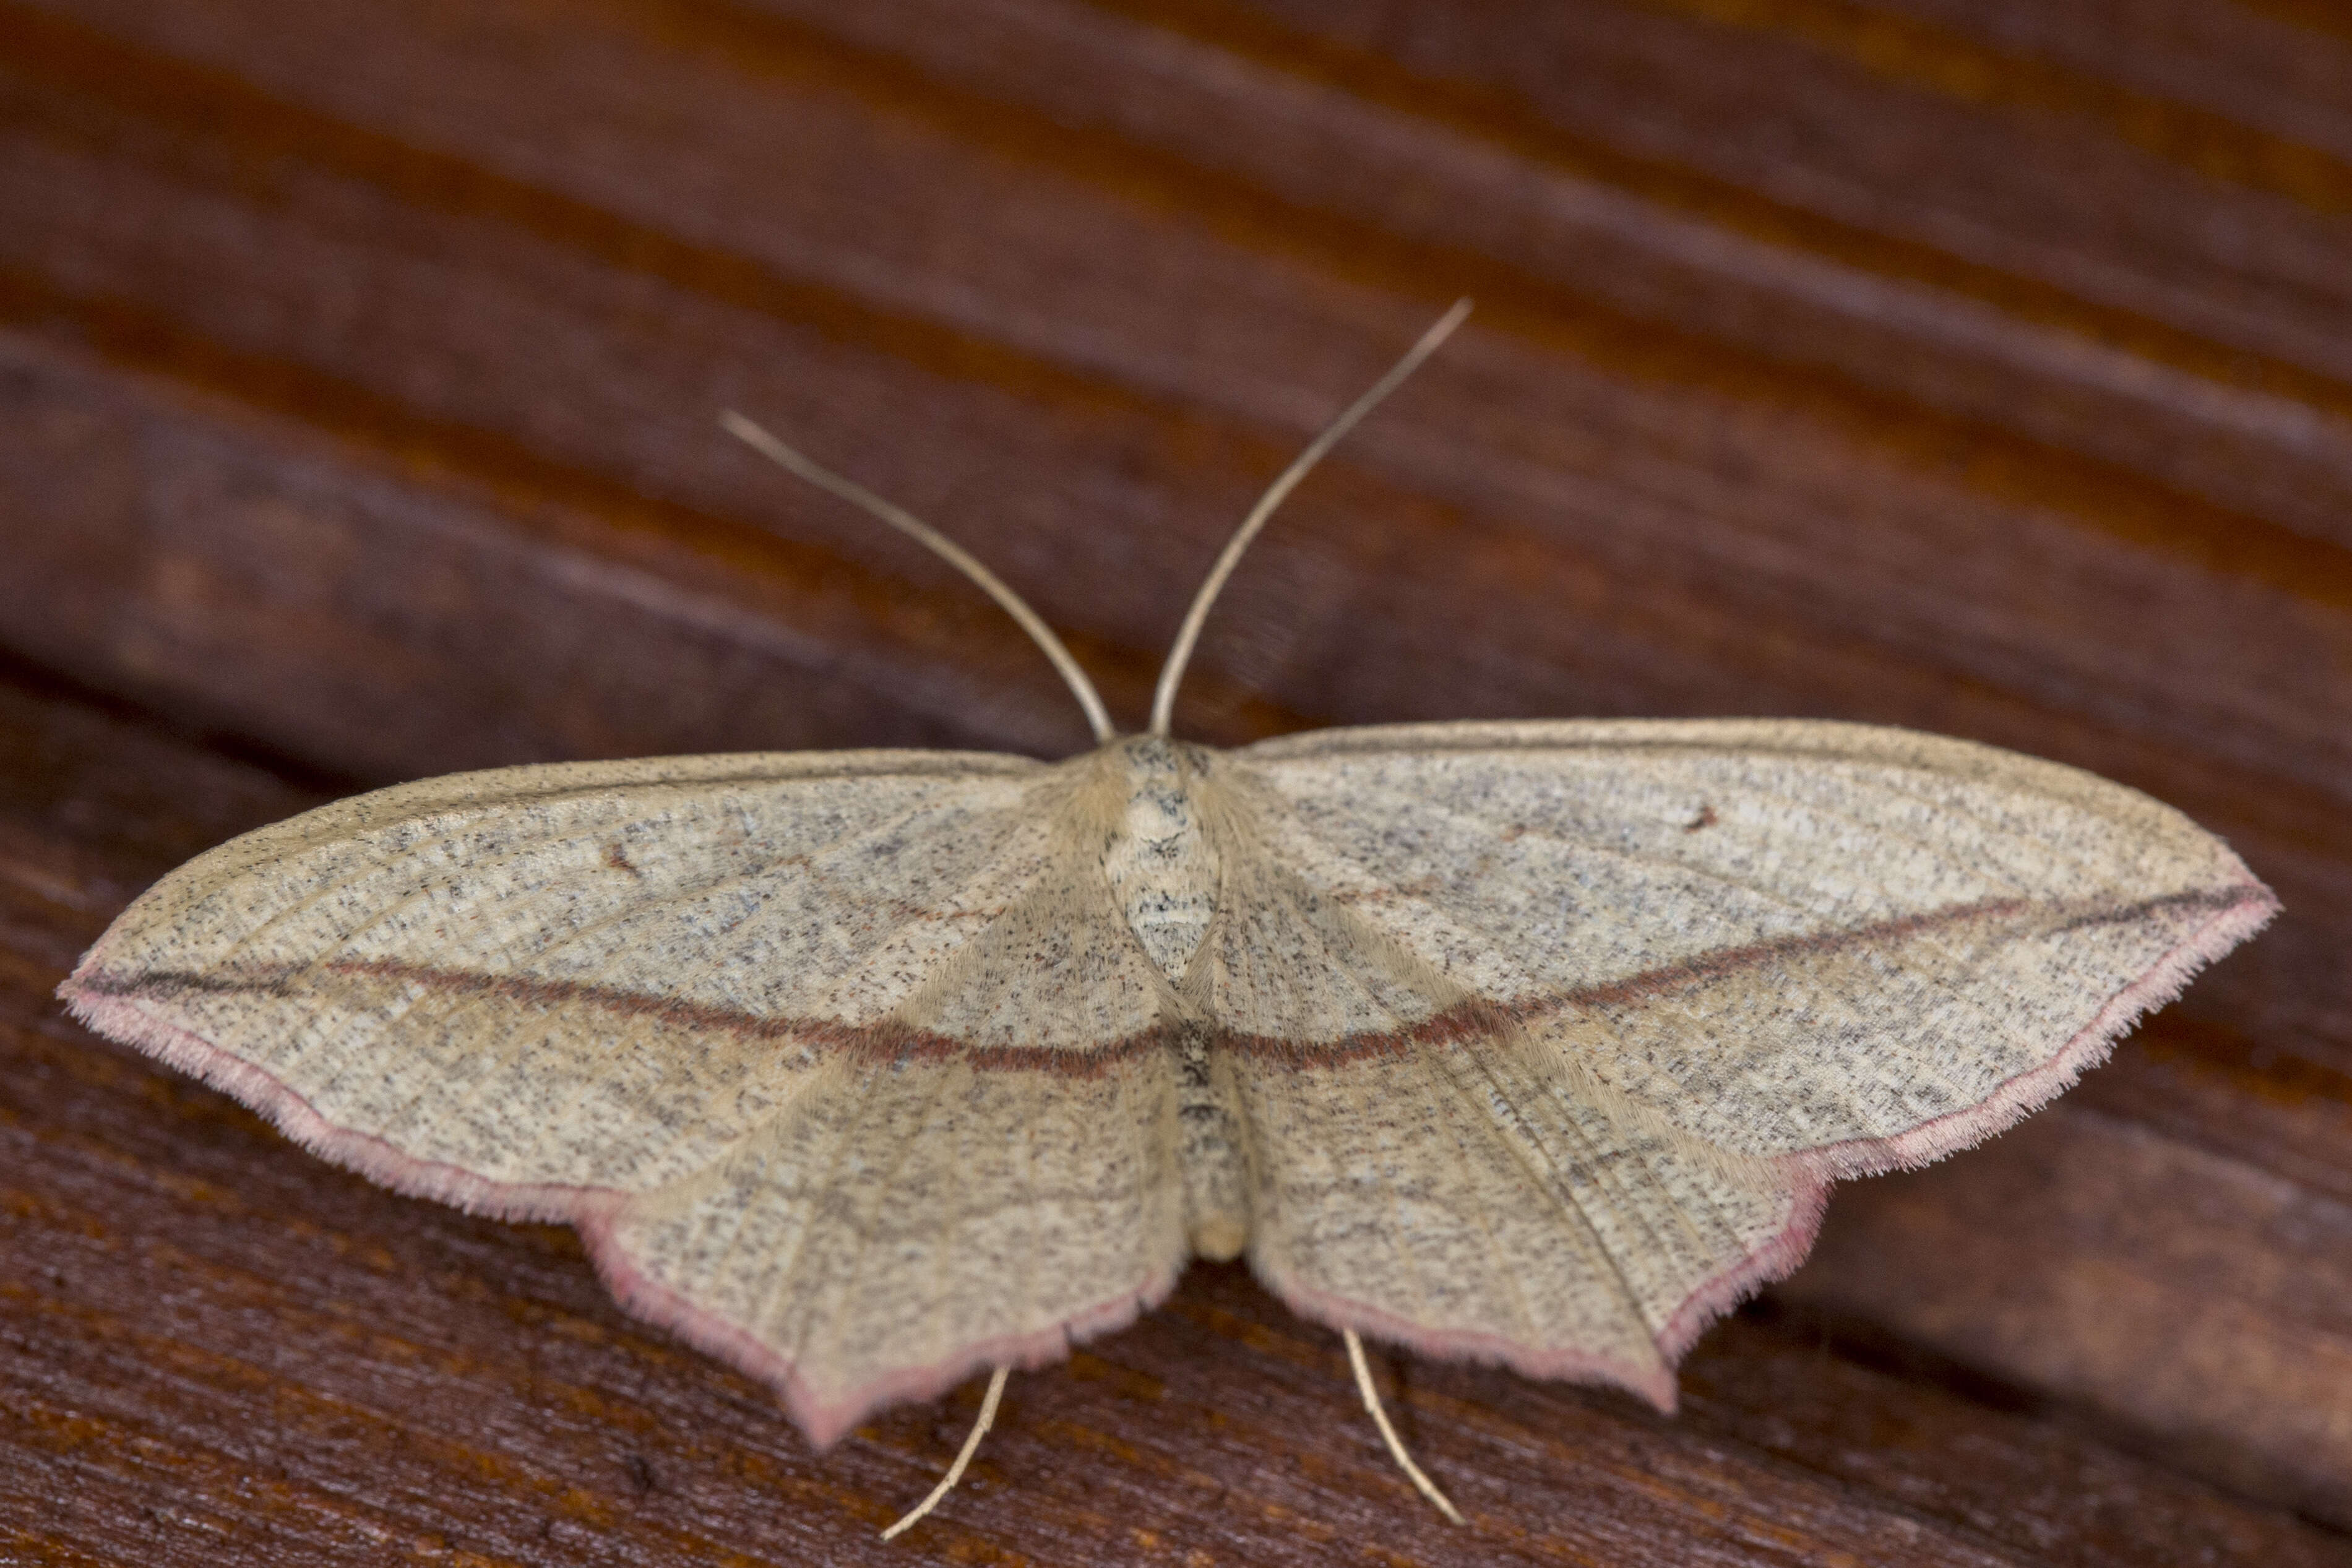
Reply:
x=1980 y=366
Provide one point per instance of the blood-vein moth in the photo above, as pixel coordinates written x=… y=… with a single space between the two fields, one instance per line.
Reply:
x=1534 y=1042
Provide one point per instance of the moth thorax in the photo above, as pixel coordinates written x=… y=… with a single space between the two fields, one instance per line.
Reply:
x=1161 y=868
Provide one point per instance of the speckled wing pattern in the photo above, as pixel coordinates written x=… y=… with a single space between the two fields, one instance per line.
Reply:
x=744 y=1020
x=1533 y=1042
x=1596 y=1010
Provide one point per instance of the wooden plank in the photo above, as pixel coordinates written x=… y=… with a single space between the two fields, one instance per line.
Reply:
x=216 y=1345
x=2180 y=1290
x=1978 y=368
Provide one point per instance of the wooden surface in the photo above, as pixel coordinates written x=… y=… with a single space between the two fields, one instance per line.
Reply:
x=1981 y=365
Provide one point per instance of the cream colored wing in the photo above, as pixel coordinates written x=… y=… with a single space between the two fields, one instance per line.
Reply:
x=1465 y=1198
x=1836 y=945
x=1545 y=1039
x=916 y=1222
x=1418 y=1167
x=619 y=993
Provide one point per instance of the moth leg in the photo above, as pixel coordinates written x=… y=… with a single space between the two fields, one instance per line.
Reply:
x=1216 y=1175
x=1388 y=1433
x=971 y=1447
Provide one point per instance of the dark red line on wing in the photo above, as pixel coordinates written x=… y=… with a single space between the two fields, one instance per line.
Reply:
x=892 y=1042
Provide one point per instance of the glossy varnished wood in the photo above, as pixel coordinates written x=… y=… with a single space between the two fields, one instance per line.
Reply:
x=1982 y=367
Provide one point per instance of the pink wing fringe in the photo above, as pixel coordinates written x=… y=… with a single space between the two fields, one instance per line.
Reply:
x=121 y=1018
x=595 y=1212
x=2029 y=1092
x=1814 y=1170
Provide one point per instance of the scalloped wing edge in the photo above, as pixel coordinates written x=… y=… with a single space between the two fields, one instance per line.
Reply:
x=1654 y=1384
x=1814 y=1172
x=595 y=1212
x=2030 y=1091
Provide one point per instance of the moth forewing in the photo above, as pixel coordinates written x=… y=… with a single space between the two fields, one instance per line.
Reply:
x=1835 y=944
x=1536 y=1043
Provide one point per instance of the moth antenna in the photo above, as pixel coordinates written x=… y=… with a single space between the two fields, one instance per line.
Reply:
x=1388 y=1433
x=1163 y=699
x=939 y=545
x=971 y=1447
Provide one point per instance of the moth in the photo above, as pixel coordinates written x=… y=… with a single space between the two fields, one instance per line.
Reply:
x=1538 y=1043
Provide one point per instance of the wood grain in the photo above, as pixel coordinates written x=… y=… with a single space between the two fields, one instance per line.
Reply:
x=1985 y=367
